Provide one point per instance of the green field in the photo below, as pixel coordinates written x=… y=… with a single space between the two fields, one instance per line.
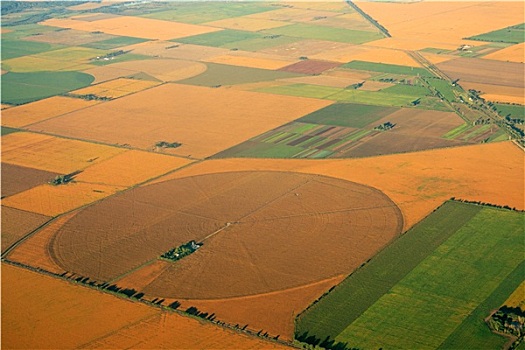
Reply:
x=387 y=68
x=19 y=48
x=114 y=43
x=197 y=13
x=302 y=90
x=514 y=35
x=120 y=58
x=221 y=74
x=4 y=130
x=220 y=38
x=348 y=115
x=378 y=98
x=20 y=88
x=515 y=111
x=308 y=31
x=422 y=287
x=443 y=87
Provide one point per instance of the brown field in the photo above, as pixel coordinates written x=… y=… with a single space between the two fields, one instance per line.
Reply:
x=130 y=168
x=420 y=122
x=253 y=253
x=116 y=88
x=41 y=110
x=53 y=154
x=253 y=60
x=17 y=178
x=481 y=71
x=323 y=80
x=18 y=223
x=247 y=23
x=497 y=93
x=307 y=48
x=272 y=312
x=134 y=26
x=69 y=37
x=52 y=200
x=310 y=67
x=168 y=49
x=370 y=54
x=417 y=182
x=226 y=119
x=141 y=278
x=514 y=53
x=83 y=315
x=443 y=22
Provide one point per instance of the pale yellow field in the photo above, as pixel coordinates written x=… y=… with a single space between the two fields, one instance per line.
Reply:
x=415 y=44
x=370 y=54
x=41 y=110
x=167 y=49
x=517 y=298
x=130 y=168
x=252 y=60
x=134 y=26
x=248 y=24
x=443 y=23
x=292 y=14
x=116 y=88
x=435 y=58
x=514 y=53
x=34 y=64
x=310 y=48
x=52 y=153
x=52 y=200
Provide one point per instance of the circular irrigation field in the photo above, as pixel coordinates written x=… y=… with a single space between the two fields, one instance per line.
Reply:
x=262 y=231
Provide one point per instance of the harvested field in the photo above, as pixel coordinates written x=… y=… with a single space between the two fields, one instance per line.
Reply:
x=141 y=278
x=185 y=121
x=306 y=48
x=504 y=98
x=435 y=58
x=41 y=110
x=51 y=153
x=370 y=54
x=302 y=90
x=69 y=37
x=499 y=93
x=168 y=49
x=443 y=22
x=130 y=168
x=116 y=88
x=512 y=53
x=17 y=179
x=291 y=202
x=482 y=71
x=253 y=60
x=18 y=223
x=310 y=67
x=414 y=44
x=52 y=200
x=90 y=311
x=247 y=23
x=134 y=26
x=290 y=14
x=352 y=21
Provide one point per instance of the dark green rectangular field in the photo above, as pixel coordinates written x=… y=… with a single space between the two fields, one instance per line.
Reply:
x=513 y=111
x=419 y=291
x=348 y=114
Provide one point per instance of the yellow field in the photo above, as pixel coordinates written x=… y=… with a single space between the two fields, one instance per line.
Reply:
x=253 y=60
x=4 y=106
x=41 y=110
x=116 y=88
x=370 y=54
x=517 y=298
x=443 y=23
x=130 y=168
x=246 y=23
x=52 y=200
x=514 y=53
x=53 y=154
x=134 y=26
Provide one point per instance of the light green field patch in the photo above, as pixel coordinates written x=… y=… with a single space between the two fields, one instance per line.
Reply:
x=302 y=90
x=220 y=38
x=454 y=133
x=514 y=35
x=378 y=98
x=19 y=48
x=308 y=31
x=114 y=43
x=387 y=68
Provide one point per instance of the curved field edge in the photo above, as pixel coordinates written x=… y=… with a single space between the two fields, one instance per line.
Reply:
x=330 y=316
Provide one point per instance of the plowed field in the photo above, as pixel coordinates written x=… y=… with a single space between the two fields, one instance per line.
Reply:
x=17 y=223
x=17 y=178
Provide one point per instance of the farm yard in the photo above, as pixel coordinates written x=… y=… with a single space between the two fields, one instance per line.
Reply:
x=261 y=174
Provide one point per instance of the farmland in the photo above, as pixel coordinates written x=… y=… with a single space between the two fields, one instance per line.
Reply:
x=258 y=175
x=419 y=283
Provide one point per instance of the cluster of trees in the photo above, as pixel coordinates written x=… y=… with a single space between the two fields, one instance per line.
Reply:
x=485 y=204
x=110 y=55
x=385 y=126
x=508 y=320
x=64 y=179
x=181 y=251
x=165 y=144
x=327 y=343
x=91 y=97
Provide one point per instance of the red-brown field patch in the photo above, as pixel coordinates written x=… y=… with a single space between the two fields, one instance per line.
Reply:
x=17 y=178
x=18 y=223
x=262 y=232
x=310 y=67
x=141 y=120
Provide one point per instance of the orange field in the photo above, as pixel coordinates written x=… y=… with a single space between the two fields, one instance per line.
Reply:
x=116 y=88
x=227 y=118
x=53 y=154
x=497 y=93
x=97 y=320
x=417 y=182
x=168 y=49
x=514 y=53
x=134 y=26
x=41 y=110
x=130 y=168
x=247 y=23
x=370 y=54
x=17 y=223
x=54 y=200
x=443 y=23
x=253 y=60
